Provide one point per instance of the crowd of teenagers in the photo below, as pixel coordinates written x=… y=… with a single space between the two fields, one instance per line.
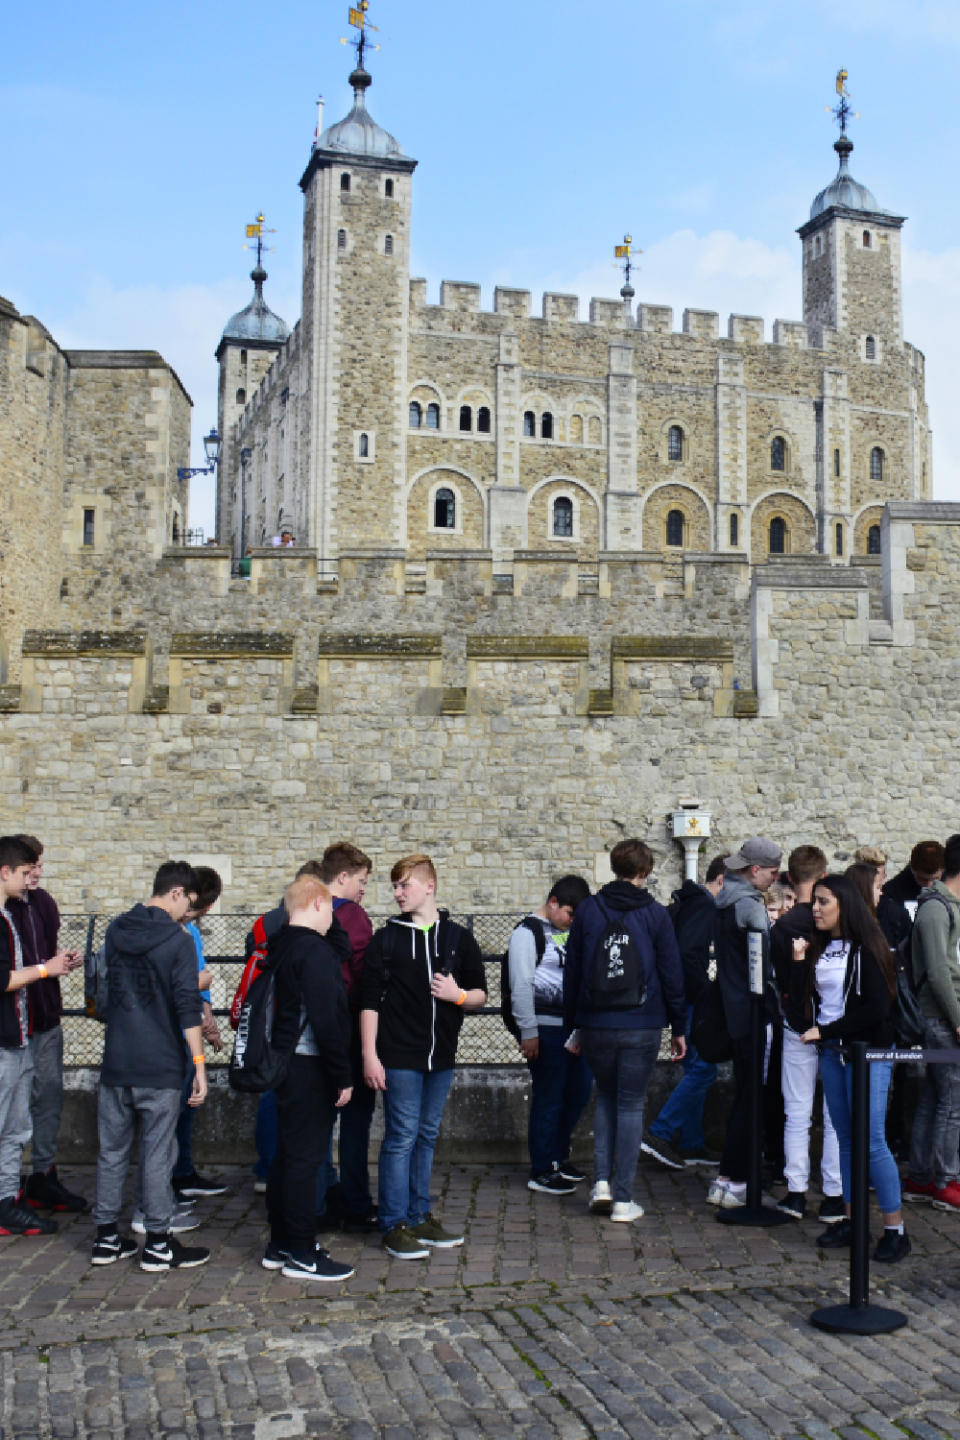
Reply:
x=588 y=985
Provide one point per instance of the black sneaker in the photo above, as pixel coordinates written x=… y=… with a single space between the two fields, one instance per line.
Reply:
x=837 y=1236
x=43 y=1191
x=320 y=1266
x=164 y=1252
x=552 y=1183
x=794 y=1204
x=664 y=1151
x=275 y=1256
x=198 y=1186
x=107 y=1249
x=892 y=1246
x=832 y=1210
x=568 y=1171
x=16 y=1219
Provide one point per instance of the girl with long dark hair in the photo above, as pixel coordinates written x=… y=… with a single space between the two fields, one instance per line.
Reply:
x=850 y=984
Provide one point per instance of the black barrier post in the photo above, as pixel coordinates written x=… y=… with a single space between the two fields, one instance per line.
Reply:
x=859 y=1317
x=755 y=1212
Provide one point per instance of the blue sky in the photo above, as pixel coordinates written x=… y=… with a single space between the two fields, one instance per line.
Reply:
x=139 y=140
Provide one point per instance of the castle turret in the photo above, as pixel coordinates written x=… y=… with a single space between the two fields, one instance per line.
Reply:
x=249 y=342
x=356 y=268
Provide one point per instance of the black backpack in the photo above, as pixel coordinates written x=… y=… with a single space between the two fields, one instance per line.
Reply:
x=506 y=1003
x=618 y=978
x=908 y=1019
x=255 y=1065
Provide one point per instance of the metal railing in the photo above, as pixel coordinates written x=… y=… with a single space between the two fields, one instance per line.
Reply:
x=484 y=1040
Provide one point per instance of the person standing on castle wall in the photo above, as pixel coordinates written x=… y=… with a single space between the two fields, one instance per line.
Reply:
x=676 y=1137
x=38 y=924
x=17 y=862
x=740 y=914
x=421 y=973
x=560 y=1081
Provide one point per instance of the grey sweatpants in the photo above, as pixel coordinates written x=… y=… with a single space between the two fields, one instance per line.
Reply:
x=46 y=1103
x=16 y=1077
x=119 y=1109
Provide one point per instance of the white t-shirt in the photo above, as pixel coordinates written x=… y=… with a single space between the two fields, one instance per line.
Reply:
x=831 y=973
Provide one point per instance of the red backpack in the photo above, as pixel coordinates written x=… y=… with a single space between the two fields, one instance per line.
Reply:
x=250 y=971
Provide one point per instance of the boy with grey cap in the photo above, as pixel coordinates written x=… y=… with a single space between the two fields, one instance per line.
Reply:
x=740 y=913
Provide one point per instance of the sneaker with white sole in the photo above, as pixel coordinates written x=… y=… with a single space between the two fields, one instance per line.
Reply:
x=551 y=1183
x=402 y=1244
x=275 y=1256
x=663 y=1151
x=431 y=1232
x=727 y=1194
x=319 y=1266
x=198 y=1186
x=568 y=1171
x=626 y=1210
x=164 y=1252
x=601 y=1198
x=107 y=1249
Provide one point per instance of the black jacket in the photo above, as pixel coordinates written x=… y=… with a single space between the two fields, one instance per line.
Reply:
x=414 y=1031
x=152 y=998
x=650 y=927
x=867 y=1004
x=740 y=914
x=693 y=911
x=38 y=924
x=794 y=924
x=309 y=988
x=12 y=1034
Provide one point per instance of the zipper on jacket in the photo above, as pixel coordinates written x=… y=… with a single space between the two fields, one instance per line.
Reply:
x=433 y=1000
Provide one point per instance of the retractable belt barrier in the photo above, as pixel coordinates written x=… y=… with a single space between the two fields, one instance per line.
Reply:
x=858 y=1316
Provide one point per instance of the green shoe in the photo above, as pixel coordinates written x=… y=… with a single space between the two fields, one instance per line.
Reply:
x=431 y=1232
x=404 y=1244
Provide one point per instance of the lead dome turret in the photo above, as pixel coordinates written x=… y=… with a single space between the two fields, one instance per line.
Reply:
x=256 y=321
x=844 y=191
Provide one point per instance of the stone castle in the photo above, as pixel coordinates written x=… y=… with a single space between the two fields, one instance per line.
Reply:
x=549 y=573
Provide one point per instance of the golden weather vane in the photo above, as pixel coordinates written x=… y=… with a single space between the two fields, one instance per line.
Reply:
x=256 y=231
x=357 y=17
x=624 y=253
x=842 y=112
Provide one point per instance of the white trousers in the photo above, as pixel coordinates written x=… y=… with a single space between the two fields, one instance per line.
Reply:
x=799 y=1081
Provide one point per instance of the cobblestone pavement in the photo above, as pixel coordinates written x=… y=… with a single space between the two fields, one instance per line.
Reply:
x=548 y=1323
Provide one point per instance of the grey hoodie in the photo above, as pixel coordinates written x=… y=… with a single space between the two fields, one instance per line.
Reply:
x=935 y=954
x=153 y=998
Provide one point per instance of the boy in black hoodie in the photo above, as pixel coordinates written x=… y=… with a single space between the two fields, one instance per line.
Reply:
x=312 y=1025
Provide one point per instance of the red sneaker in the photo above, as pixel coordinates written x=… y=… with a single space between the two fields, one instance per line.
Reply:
x=948 y=1198
x=912 y=1191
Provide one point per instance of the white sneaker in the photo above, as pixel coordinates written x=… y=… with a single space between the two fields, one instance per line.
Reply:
x=730 y=1196
x=601 y=1198
x=626 y=1210
x=181 y=1221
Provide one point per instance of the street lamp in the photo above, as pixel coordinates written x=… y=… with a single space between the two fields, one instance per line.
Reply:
x=211 y=448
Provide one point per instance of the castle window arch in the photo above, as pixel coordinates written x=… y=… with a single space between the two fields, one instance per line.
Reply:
x=466 y=417
x=867 y=240
x=341 y=239
x=877 y=459
x=416 y=415
x=345 y=182
x=575 y=430
x=838 y=538
x=675 y=439
x=594 y=430
x=546 y=425
x=870 y=348
x=777 y=536
x=444 y=509
x=734 y=531
x=175 y=528
x=433 y=416
x=778 y=453
x=675 y=527
x=836 y=462
x=819 y=244
x=364 y=446
x=388 y=244
x=243 y=359
x=483 y=420
x=562 y=518
x=241 y=396
x=388 y=189
x=529 y=424
x=873 y=540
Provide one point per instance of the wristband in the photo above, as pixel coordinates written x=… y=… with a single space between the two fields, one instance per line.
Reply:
x=43 y=971
x=199 y=1060
x=462 y=997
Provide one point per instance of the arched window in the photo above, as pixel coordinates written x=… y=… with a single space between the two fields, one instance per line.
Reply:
x=778 y=453
x=89 y=522
x=546 y=426
x=838 y=533
x=243 y=357
x=734 y=530
x=819 y=244
x=388 y=189
x=483 y=420
x=594 y=430
x=675 y=527
x=870 y=348
x=241 y=396
x=529 y=424
x=444 y=509
x=388 y=244
x=341 y=239
x=836 y=462
x=575 y=432
x=344 y=182
x=876 y=463
x=466 y=417
x=563 y=517
x=433 y=416
x=363 y=445
x=674 y=443
x=873 y=540
x=175 y=529
x=866 y=240
x=778 y=536
x=416 y=415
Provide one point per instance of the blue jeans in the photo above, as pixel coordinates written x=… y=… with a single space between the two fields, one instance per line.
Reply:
x=837 y=1081
x=412 y=1106
x=561 y=1085
x=622 y=1061
x=682 y=1115
x=184 y=1166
